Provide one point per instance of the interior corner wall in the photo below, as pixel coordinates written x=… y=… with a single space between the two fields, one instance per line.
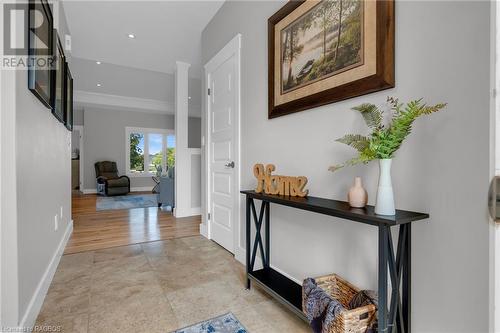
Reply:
x=442 y=169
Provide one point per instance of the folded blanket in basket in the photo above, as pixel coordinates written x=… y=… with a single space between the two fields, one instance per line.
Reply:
x=362 y=298
x=320 y=308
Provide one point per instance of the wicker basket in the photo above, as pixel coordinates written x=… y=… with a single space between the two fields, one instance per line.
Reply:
x=349 y=321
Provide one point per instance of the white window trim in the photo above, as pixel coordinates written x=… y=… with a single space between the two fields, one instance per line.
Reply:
x=145 y=131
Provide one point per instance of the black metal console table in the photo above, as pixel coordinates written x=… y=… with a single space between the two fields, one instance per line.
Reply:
x=395 y=315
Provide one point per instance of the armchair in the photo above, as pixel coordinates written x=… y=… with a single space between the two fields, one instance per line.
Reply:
x=108 y=181
x=166 y=196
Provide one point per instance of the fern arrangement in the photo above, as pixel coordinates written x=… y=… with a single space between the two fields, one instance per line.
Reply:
x=384 y=141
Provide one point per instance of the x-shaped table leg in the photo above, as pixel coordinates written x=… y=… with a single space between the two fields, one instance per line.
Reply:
x=258 y=237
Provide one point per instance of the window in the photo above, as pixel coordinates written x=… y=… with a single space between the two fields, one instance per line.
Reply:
x=149 y=149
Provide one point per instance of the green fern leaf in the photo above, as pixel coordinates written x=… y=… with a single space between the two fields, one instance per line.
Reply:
x=356 y=141
x=371 y=114
x=383 y=142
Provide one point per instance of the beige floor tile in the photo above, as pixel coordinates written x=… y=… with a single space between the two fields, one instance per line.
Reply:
x=252 y=321
x=171 y=283
x=114 y=289
x=120 y=268
x=158 y=287
x=206 y=300
x=67 y=324
x=136 y=314
x=281 y=318
x=77 y=260
x=73 y=274
x=196 y=241
x=64 y=303
x=117 y=253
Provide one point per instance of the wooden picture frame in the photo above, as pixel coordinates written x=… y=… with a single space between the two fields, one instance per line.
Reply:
x=68 y=98
x=372 y=69
x=40 y=47
x=59 y=79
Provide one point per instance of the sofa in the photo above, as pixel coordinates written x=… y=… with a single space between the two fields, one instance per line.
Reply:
x=108 y=181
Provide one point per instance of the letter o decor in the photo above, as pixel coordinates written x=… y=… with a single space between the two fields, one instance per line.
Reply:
x=276 y=184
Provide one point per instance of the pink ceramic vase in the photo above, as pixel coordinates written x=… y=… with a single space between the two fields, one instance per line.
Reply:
x=357 y=195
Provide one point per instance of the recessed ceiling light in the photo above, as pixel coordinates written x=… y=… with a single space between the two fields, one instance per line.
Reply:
x=131 y=36
x=99 y=84
x=189 y=97
x=98 y=62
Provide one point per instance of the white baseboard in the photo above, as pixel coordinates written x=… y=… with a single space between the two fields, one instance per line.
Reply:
x=36 y=302
x=239 y=254
x=132 y=189
x=204 y=230
x=141 y=189
x=187 y=212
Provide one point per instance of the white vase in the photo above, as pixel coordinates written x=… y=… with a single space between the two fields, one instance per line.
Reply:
x=385 y=196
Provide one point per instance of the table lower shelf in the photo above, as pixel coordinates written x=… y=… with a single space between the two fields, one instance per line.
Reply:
x=286 y=291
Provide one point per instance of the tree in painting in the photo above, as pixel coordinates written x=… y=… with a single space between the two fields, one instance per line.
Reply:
x=324 y=41
x=291 y=50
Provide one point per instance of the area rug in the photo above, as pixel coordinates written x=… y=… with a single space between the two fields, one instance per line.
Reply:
x=126 y=201
x=226 y=323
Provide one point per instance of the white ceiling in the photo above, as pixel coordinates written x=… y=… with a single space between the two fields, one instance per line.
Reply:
x=136 y=71
x=116 y=80
x=166 y=31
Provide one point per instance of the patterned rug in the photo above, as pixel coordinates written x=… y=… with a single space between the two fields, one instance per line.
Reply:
x=226 y=323
x=126 y=201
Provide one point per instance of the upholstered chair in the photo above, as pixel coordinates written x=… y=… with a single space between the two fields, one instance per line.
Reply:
x=108 y=181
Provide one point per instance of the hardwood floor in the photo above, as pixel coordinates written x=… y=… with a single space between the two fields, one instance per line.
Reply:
x=94 y=230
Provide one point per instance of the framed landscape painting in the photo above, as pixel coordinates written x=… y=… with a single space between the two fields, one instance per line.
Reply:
x=325 y=51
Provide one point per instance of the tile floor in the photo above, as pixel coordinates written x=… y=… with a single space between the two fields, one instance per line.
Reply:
x=157 y=287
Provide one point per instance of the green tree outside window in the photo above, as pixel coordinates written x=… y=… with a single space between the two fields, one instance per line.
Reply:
x=136 y=152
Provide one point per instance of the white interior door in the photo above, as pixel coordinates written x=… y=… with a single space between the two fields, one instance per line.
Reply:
x=223 y=157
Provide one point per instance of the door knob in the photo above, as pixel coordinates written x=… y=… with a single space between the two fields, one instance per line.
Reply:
x=494 y=199
x=229 y=164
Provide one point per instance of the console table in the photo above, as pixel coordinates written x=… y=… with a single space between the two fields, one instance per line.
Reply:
x=393 y=265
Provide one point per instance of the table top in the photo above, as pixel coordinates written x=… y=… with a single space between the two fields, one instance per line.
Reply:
x=339 y=209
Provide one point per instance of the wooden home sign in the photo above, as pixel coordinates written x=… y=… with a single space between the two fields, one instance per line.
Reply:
x=276 y=184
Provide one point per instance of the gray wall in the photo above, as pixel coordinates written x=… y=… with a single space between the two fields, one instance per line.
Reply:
x=104 y=139
x=194 y=132
x=78 y=117
x=443 y=168
x=43 y=186
x=195 y=181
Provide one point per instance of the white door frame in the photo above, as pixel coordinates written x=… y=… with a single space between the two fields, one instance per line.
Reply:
x=233 y=47
x=80 y=129
x=494 y=248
